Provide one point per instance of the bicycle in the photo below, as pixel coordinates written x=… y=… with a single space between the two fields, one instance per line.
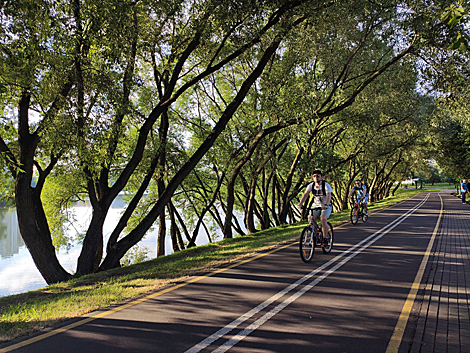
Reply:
x=312 y=236
x=357 y=211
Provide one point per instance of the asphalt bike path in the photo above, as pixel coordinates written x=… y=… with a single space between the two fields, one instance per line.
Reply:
x=351 y=300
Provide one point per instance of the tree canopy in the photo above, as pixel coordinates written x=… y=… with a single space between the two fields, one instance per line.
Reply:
x=205 y=112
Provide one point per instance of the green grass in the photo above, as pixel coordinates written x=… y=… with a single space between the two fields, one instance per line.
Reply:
x=34 y=310
x=441 y=186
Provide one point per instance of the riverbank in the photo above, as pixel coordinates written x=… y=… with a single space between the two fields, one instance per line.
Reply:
x=34 y=310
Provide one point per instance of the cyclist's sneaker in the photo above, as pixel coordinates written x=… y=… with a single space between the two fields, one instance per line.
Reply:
x=324 y=243
x=367 y=213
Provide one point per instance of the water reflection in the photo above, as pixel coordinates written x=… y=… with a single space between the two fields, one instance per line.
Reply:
x=17 y=270
x=18 y=273
x=10 y=238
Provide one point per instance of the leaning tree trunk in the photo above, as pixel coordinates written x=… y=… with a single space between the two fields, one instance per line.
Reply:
x=92 y=249
x=200 y=221
x=161 y=235
x=35 y=232
x=251 y=192
x=274 y=194
x=266 y=222
x=285 y=206
x=119 y=249
x=33 y=227
x=394 y=190
x=173 y=231
x=32 y=220
x=249 y=216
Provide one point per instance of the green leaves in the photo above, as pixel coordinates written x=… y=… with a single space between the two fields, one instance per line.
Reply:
x=454 y=14
x=451 y=136
x=460 y=42
x=457 y=15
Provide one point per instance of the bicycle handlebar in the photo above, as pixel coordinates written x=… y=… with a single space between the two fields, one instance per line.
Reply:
x=356 y=199
x=312 y=209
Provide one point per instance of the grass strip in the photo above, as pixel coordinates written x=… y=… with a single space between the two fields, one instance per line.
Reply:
x=25 y=313
x=442 y=186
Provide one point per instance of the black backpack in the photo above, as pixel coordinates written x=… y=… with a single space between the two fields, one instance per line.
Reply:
x=317 y=192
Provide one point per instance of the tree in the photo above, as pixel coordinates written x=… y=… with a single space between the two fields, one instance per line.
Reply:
x=451 y=147
x=113 y=84
x=84 y=83
x=456 y=17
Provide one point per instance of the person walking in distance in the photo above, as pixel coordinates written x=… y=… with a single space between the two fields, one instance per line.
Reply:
x=322 y=198
x=463 y=189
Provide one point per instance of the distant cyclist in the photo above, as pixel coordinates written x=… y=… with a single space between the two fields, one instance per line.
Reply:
x=322 y=198
x=361 y=193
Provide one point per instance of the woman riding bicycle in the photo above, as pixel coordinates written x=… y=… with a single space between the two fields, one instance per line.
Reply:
x=322 y=198
x=361 y=194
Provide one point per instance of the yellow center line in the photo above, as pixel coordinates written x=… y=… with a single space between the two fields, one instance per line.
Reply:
x=397 y=336
x=137 y=301
x=134 y=302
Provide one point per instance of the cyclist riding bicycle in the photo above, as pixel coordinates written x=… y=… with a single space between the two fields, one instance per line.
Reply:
x=361 y=193
x=322 y=198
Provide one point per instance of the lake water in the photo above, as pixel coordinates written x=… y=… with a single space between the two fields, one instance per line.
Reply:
x=18 y=272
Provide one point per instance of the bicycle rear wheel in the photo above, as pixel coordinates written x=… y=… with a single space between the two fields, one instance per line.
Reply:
x=364 y=216
x=330 y=238
x=307 y=244
x=354 y=214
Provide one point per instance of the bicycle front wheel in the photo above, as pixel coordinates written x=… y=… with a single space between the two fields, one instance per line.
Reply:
x=329 y=240
x=307 y=244
x=354 y=215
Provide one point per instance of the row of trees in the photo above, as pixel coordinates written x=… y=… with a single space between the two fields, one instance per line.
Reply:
x=210 y=108
x=449 y=73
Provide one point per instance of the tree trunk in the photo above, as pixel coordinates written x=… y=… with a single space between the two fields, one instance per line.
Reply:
x=92 y=249
x=285 y=206
x=161 y=235
x=37 y=238
x=32 y=220
x=173 y=231
x=265 y=223
x=394 y=190
x=251 y=192
x=206 y=209
x=116 y=252
x=181 y=221
x=249 y=215
x=274 y=193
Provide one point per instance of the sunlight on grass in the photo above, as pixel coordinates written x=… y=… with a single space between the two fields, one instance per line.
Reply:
x=28 y=312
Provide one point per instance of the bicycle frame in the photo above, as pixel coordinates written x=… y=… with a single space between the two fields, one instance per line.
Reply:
x=357 y=202
x=312 y=236
x=357 y=211
x=313 y=222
